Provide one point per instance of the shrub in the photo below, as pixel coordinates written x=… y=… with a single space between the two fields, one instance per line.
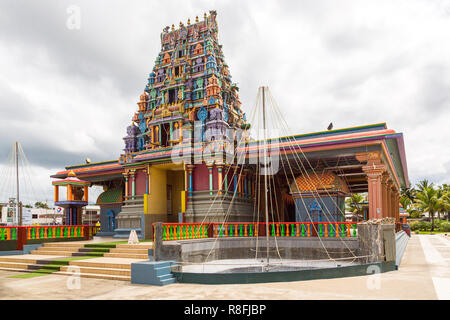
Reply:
x=414 y=225
x=415 y=215
x=444 y=226
x=423 y=226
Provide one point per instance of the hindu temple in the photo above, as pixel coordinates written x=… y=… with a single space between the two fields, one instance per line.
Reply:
x=177 y=163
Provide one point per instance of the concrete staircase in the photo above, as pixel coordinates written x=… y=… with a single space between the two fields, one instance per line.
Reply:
x=115 y=265
x=70 y=250
x=32 y=265
x=109 y=261
x=156 y=273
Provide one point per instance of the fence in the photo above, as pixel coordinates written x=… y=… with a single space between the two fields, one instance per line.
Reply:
x=47 y=232
x=181 y=231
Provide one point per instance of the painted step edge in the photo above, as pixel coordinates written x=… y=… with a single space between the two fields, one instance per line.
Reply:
x=96 y=276
x=134 y=246
x=71 y=249
x=108 y=271
x=18 y=260
x=63 y=244
x=15 y=265
x=100 y=265
x=130 y=251
x=52 y=253
x=126 y=255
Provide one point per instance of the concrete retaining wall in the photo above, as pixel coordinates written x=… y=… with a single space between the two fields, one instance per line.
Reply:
x=375 y=243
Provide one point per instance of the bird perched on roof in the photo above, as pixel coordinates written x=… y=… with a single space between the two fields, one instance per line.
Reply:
x=330 y=126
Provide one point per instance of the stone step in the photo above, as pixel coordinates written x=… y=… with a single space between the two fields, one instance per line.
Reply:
x=127 y=255
x=63 y=244
x=129 y=250
x=109 y=271
x=142 y=245
x=108 y=265
x=52 y=253
x=94 y=250
x=19 y=260
x=96 y=275
x=67 y=249
x=15 y=269
x=14 y=265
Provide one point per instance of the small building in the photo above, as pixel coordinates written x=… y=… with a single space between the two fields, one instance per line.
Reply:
x=90 y=214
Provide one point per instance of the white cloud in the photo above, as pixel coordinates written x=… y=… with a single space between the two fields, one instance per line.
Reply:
x=69 y=94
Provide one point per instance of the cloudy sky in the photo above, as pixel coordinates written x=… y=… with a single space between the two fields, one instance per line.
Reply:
x=68 y=93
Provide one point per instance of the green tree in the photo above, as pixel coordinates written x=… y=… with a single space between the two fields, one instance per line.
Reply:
x=424 y=184
x=441 y=206
x=409 y=193
x=354 y=204
x=405 y=202
x=41 y=205
x=427 y=201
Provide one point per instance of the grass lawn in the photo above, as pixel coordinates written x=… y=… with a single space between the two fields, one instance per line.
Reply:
x=428 y=232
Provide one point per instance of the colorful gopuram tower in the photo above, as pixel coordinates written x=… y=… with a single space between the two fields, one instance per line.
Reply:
x=190 y=108
x=77 y=197
x=190 y=78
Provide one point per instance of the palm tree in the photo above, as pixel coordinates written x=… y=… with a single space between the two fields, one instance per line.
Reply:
x=424 y=184
x=405 y=202
x=409 y=193
x=444 y=201
x=354 y=204
x=426 y=200
x=441 y=208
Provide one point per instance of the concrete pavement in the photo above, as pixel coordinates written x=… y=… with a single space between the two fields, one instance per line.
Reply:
x=422 y=275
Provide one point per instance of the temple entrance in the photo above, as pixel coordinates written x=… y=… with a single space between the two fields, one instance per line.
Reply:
x=111 y=220
x=165 y=192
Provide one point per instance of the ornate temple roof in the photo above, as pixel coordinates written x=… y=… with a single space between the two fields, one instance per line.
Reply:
x=189 y=75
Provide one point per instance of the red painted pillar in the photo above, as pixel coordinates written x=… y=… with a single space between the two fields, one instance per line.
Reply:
x=374 y=173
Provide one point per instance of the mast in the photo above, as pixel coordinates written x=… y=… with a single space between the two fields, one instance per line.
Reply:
x=17 y=183
x=265 y=174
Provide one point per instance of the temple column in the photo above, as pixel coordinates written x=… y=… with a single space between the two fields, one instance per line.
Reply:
x=171 y=131
x=219 y=178
x=133 y=185
x=180 y=135
x=226 y=179
x=69 y=192
x=159 y=132
x=384 y=195
x=210 y=172
x=374 y=169
x=56 y=193
x=152 y=140
x=86 y=194
x=126 y=184
x=374 y=175
x=389 y=198
x=190 y=169
x=396 y=206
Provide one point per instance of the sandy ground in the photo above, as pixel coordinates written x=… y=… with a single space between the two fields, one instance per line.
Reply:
x=422 y=275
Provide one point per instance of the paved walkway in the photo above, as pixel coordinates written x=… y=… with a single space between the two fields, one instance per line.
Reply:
x=423 y=274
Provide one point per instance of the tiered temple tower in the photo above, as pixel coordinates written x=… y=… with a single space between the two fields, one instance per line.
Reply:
x=190 y=78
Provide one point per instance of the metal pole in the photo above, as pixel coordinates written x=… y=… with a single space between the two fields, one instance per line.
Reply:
x=265 y=174
x=17 y=184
